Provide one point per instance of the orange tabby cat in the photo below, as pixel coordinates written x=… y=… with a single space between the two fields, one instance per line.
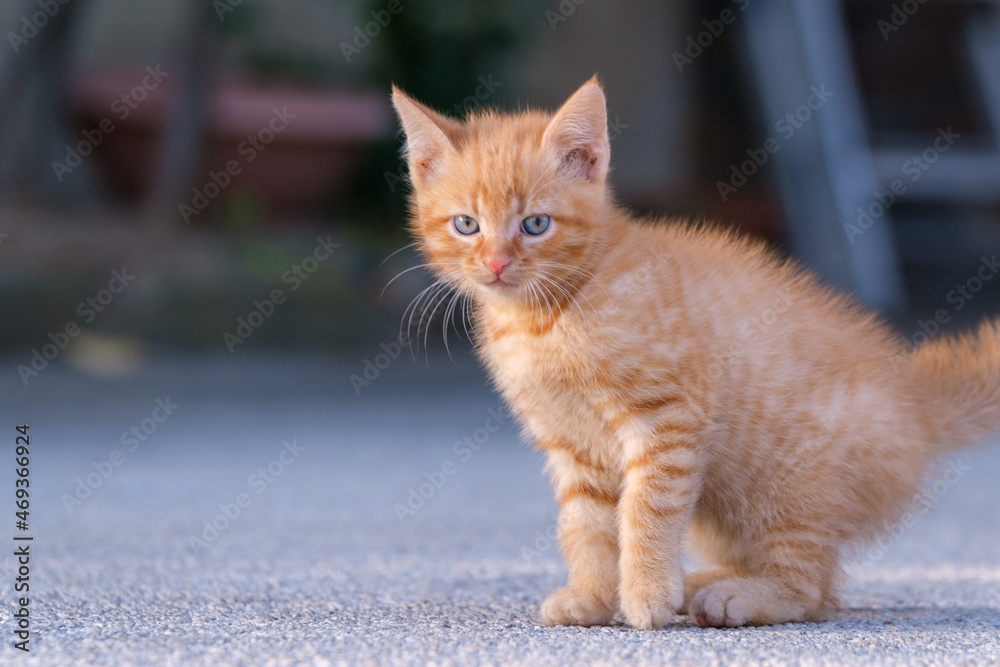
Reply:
x=680 y=380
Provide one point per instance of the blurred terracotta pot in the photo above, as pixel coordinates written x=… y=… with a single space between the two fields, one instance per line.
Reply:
x=291 y=148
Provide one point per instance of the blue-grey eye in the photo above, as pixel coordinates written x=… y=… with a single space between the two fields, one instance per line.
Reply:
x=465 y=225
x=536 y=224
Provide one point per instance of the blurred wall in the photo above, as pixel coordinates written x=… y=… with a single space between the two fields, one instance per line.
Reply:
x=629 y=46
x=138 y=32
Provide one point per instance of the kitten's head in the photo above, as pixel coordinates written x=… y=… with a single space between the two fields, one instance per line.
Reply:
x=508 y=207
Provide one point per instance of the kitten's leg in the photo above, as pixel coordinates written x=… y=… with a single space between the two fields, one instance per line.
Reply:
x=793 y=586
x=661 y=485
x=588 y=537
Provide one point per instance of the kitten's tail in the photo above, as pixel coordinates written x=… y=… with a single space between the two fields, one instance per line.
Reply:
x=961 y=377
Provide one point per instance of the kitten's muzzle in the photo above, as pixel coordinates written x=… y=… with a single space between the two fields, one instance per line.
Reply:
x=497 y=264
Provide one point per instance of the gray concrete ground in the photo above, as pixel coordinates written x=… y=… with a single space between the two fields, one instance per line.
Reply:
x=318 y=567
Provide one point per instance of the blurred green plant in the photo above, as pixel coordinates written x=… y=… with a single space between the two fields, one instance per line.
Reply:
x=437 y=51
x=244 y=34
x=243 y=213
x=299 y=67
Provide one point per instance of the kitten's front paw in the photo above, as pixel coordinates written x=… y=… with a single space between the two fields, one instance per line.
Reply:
x=569 y=606
x=648 y=609
x=650 y=602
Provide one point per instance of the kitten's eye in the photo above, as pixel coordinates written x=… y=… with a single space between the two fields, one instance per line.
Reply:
x=465 y=225
x=536 y=224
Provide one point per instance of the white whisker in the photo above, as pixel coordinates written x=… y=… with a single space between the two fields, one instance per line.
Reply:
x=413 y=268
x=584 y=272
x=572 y=297
x=449 y=314
x=430 y=318
x=396 y=252
x=427 y=295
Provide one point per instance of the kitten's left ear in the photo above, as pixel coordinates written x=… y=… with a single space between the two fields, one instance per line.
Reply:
x=578 y=134
x=427 y=135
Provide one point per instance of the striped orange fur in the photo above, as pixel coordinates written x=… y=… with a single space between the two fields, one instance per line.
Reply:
x=681 y=380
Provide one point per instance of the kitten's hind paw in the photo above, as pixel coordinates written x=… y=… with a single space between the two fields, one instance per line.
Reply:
x=737 y=602
x=569 y=606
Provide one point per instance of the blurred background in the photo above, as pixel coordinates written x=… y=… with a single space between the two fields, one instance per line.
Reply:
x=203 y=147
x=202 y=221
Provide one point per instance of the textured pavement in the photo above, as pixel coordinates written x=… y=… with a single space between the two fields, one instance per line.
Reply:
x=333 y=560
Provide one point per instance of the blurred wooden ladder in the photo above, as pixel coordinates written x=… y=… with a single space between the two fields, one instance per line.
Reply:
x=831 y=168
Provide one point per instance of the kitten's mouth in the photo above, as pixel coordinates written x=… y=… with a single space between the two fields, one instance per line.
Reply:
x=501 y=287
x=499 y=283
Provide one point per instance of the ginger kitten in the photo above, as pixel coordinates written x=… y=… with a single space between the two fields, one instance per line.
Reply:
x=681 y=381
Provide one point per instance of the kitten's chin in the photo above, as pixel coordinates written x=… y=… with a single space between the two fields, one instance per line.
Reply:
x=500 y=288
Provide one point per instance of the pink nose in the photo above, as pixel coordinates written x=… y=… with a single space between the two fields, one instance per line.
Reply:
x=497 y=264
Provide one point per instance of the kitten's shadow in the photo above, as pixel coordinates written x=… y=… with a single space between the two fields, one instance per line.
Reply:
x=943 y=616
x=853 y=619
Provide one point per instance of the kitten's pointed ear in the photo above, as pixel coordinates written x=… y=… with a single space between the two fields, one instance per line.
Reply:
x=428 y=135
x=578 y=134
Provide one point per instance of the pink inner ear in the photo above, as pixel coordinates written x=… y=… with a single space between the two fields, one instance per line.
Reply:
x=580 y=160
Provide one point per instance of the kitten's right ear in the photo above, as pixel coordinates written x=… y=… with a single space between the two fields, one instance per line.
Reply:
x=428 y=135
x=578 y=134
